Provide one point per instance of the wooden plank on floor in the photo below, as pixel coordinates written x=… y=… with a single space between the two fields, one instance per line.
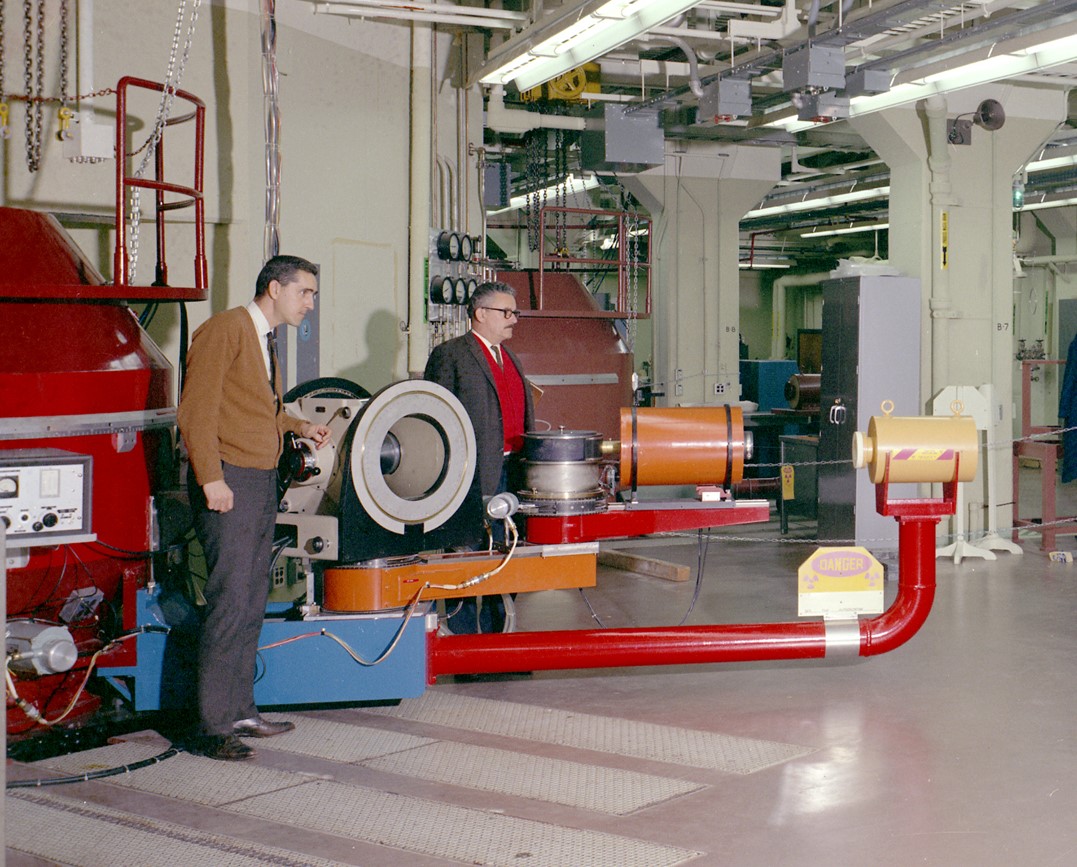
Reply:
x=643 y=565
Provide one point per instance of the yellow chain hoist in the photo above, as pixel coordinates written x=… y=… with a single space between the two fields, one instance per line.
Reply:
x=65 y=115
x=567 y=87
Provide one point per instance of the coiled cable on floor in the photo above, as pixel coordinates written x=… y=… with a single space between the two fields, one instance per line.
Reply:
x=94 y=775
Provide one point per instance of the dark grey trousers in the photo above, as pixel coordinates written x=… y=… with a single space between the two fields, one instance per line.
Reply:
x=238 y=545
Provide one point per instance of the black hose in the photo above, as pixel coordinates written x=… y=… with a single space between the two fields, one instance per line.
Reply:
x=94 y=775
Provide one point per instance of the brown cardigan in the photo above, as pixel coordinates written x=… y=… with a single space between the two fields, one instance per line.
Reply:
x=228 y=412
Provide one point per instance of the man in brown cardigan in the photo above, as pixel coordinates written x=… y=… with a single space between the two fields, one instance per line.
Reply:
x=231 y=420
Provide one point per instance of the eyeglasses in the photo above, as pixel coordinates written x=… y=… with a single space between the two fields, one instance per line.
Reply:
x=505 y=311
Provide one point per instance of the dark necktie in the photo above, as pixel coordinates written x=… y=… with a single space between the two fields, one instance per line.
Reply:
x=496 y=350
x=271 y=343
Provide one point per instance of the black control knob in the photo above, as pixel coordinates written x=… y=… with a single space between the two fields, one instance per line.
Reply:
x=37 y=526
x=50 y=519
x=7 y=521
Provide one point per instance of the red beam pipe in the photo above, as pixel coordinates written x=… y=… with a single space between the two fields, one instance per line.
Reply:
x=679 y=645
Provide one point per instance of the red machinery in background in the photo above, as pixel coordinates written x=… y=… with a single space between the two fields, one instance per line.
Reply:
x=86 y=419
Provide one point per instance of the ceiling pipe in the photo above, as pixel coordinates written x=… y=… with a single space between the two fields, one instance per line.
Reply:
x=739 y=642
x=693 y=64
x=435 y=13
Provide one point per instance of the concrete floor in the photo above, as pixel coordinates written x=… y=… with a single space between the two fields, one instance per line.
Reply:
x=955 y=749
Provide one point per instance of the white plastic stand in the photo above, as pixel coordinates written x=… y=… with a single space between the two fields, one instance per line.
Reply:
x=976 y=403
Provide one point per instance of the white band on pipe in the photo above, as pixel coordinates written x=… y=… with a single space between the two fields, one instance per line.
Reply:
x=842 y=639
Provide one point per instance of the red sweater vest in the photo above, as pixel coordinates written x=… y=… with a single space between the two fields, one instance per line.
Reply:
x=510 y=393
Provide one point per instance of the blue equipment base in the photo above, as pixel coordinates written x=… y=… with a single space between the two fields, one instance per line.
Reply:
x=299 y=662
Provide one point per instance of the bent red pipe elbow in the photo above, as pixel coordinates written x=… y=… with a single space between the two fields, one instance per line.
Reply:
x=680 y=645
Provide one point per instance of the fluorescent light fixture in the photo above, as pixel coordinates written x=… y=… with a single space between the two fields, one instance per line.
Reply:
x=847 y=230
x=1049 y=203
x=1052 y=163
x=758 y=266
x=573 y=185
x=1022 y=61
x=610 y=241
x=577 y=36
x=822 y=202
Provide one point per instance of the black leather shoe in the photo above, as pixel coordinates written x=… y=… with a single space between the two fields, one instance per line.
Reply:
x=256 y=727
x=227 y=748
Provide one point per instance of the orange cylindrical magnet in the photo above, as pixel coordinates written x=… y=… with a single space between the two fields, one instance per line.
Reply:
x=682 y=446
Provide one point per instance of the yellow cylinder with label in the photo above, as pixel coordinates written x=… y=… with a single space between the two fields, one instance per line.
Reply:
x=921 y=449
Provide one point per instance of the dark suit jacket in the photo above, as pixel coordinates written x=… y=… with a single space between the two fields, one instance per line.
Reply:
x=460 y=365
x=1067 y=413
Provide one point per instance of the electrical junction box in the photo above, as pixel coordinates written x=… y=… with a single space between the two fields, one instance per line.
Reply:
x=724 y=99
x=45 y=497
x=864 y=81
x=90 y=141
x=813 y=68
x=631 y=141
x=821 y=107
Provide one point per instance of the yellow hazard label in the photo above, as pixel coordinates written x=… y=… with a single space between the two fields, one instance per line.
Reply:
x=787 y=482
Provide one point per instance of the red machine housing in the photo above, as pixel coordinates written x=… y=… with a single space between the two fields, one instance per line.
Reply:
x=68 y=363
x=569 y=347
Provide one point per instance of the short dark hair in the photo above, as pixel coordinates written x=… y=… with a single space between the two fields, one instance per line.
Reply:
x=282 y=269
x=483 y=291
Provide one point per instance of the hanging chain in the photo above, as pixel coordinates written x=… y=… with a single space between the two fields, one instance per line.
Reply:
x=561 y=176
x=64 y=35
x=168 y=96
x=542 y=170
x=534 y=171
x=64 y=115
x=632 y=227
x=34 y=75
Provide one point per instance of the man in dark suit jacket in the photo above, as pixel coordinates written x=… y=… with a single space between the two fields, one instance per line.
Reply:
x=489 y=381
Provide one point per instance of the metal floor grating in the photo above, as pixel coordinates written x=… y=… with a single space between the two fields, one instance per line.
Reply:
x=587 y=787
x=69 y=831
x=700 y=749
x=338 y=742
x=456 y=833
x=359 y=813
x=186 y=777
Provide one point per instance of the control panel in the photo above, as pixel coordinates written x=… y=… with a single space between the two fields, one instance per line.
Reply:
x=45 y=496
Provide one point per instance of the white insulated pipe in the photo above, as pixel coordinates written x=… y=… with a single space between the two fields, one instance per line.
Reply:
x=502 y=119
x=777 y=307
x=941 y=194
x=419 y=201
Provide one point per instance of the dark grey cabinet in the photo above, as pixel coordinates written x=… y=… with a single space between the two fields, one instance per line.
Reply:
x=871 y=353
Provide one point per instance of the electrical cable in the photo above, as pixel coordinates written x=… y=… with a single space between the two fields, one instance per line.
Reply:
x=701 y=561
x=141 y=555
x=36 y=715
x=94 y=775
x=408 y=611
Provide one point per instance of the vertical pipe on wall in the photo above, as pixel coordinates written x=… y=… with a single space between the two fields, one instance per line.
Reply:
x=419 y=205
x=84 y=39
x=460 y=190
x=270 y=82
x=939 y=302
